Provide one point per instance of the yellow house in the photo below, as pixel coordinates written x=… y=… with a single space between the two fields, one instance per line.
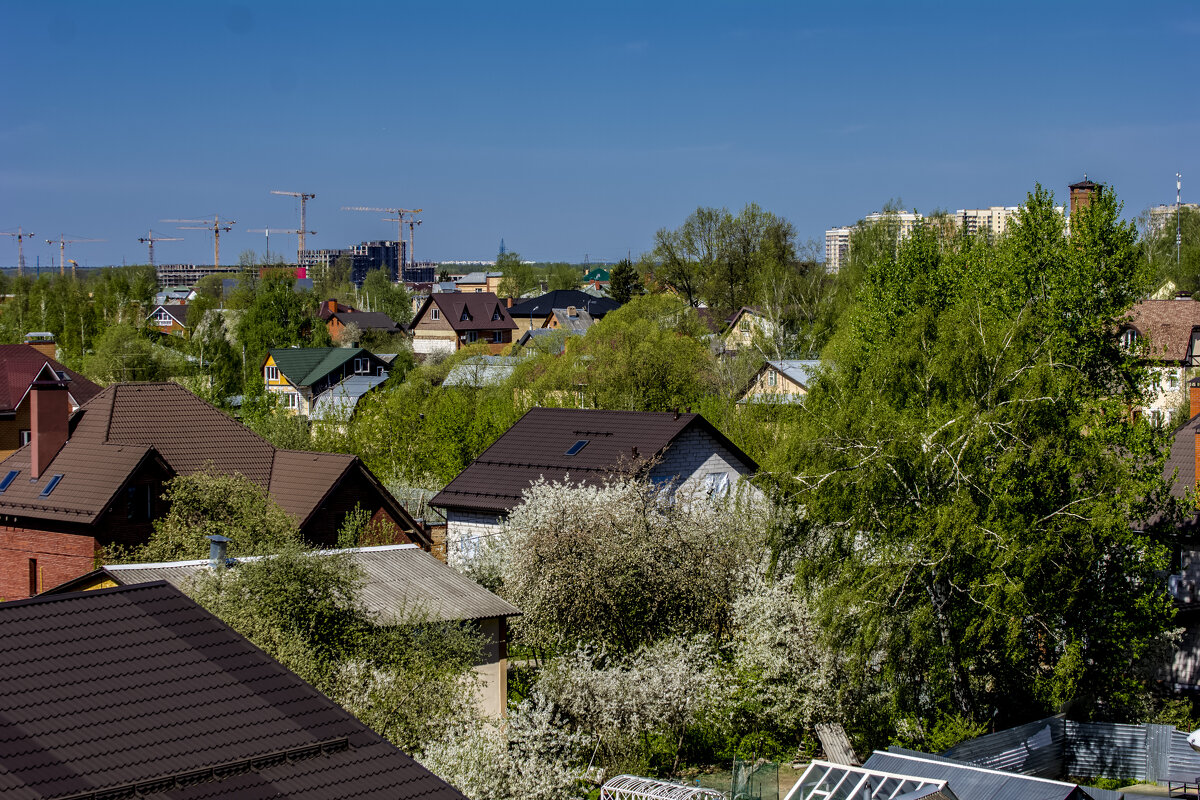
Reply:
x=746 y=323
x=480 y=282
x=781 y=382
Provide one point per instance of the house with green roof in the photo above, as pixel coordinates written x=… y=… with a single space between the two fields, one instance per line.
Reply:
x=300 y=375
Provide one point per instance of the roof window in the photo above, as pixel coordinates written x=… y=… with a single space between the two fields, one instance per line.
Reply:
x=9 y=478
x=575 y=448
x=54 y=481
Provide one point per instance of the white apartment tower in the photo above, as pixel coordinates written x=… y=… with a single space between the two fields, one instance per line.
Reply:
x=992 y=220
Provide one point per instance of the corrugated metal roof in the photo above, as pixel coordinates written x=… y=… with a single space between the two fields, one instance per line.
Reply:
x=482 y=371
x=338 y=401
x=116 y=690
x=304 y=366
x=399 y=582
x=974 y=783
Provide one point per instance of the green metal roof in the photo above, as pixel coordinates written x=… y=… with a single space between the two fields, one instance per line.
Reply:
x=304 y=366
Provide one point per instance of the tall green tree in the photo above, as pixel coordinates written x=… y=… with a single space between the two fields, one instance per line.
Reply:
x=975 y=488
x=519 y=277
x=624 y=281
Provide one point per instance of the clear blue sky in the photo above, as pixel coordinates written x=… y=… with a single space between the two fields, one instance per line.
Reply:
x=571 y=128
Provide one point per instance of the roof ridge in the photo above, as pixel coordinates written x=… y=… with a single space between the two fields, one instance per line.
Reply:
x=49 y=598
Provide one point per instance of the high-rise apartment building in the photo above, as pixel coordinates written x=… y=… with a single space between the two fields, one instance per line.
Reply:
x=1163 y=217
x=837 y=240
x=364 y=258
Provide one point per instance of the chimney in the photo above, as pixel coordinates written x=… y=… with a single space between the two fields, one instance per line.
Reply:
x=509 y=302
x=43 y=342
x=218 y=551
x=1193 y=397
x=47 y=421
x=572 y=311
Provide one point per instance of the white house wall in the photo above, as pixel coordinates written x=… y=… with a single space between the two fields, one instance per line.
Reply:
x=464 y=530
x=690 y=459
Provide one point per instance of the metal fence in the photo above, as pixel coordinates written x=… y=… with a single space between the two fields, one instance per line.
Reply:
x=1057 y=748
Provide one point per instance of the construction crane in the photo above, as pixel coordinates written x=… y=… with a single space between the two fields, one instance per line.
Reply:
x=214 y=226
x=304 y=198
x=398 y=219
x=20 y=236
x=63 y=241
x=149 y=239
x=412 y=257
x=267 y=231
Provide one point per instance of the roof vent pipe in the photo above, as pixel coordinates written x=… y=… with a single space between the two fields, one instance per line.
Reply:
x=218 y=551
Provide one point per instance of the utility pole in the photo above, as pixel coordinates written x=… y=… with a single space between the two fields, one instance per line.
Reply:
x=62 y=252
x=20 y=236
x=149 y=239
x=204 y=225
x=304 y=198
x=1178 y=229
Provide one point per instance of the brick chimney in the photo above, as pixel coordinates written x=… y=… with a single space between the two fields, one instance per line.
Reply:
x=48 y=409
x=1193 y=397
x=43 y=342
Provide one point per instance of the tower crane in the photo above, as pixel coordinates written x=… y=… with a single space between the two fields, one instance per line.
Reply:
x=214 y=226
x=267 y=231
x=149 y=239
x=398 y=219
x=63 y=241
x=20 y=236
x=304 y=198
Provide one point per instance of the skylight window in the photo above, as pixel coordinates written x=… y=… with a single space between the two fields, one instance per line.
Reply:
x=575 y=448
x=50 y=486
x=8 y=479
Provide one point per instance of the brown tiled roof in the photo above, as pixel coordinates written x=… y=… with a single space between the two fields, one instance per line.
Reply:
x=1183 y=457
x=138 y=689
x=1167 y=325
x=480 y=306
x=368 y=321
x=126 y=421
x=20 y=364
x=536 y=445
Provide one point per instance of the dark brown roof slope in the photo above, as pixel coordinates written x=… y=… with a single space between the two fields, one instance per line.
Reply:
x=536 y=445
x=126 y=421
x=479 y=306
x=139 y=689
x=1167 y=324
x=20 y=364
x=368 y=321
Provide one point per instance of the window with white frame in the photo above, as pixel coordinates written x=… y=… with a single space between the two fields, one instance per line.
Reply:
x=291 y=400
x=434 y=314
x=362 y=366
x=772 y=377
x=1129 y=339
x=380 y=372
x=272 y=373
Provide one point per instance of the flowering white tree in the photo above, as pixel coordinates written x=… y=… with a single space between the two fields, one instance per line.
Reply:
x=622 y=565
x=533 y=755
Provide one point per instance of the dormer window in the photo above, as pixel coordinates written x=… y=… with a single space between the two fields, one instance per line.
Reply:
x=466 y=316
x=1129 y=338
x=496 y=314
x=434 y=314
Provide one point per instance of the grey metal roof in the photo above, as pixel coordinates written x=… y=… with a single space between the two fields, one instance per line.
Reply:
x=578 y=323
x=799 y=370
x=338 y=401
x=974 y=783
x=482 y=371
x=399 y=581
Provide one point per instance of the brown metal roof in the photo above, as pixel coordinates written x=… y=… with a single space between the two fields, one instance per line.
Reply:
x=1167 y=324
x=20 y=364
x=115 y=431
x=139 y=689
x=398 y=580
x=479 y=306
x=536 y=445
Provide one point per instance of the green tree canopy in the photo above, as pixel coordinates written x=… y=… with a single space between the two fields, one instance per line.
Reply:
x=624 y=282
x=974 y=487
x=519 y=277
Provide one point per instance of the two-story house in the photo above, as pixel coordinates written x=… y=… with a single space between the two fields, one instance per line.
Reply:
x=20 y=366
x=95 y=478
x=299 y=376
x=682 y=452
x=448 y=321
x=170 y=318
x=477 y=282
x=745 y=323
x=783 y=381
x=1166 y=333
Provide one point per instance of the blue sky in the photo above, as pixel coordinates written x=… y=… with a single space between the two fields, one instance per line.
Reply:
x=571 y=128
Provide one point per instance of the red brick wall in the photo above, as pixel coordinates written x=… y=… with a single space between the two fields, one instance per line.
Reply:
x=60 y=557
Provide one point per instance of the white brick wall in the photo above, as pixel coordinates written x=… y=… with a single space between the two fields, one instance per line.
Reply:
x=690 y=459
x=427 y=346
x=463 y=532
